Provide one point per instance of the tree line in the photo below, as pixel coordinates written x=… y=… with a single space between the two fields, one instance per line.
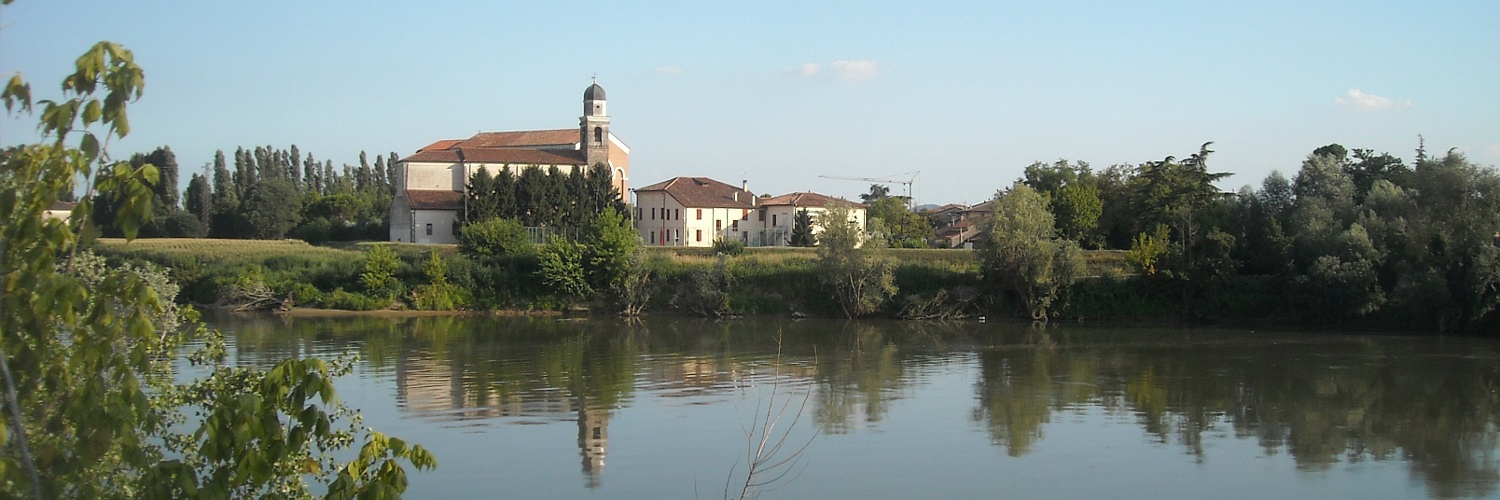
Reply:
x=1354 y=237
x=541 y=198
x=264 y=193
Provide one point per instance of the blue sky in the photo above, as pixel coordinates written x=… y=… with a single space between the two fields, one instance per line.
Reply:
x=778 y=93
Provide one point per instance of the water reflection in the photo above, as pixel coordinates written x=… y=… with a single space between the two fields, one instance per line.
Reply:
x=1323 y=400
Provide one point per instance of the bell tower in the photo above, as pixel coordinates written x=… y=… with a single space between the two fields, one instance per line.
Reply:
x=593 y=127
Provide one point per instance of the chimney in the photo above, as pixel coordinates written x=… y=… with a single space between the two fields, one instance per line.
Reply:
x=744 y=184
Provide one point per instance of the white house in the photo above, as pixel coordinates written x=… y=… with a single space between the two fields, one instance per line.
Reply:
x=775 y=217
x=694 y=211
x=430 y=183
x=690 y=211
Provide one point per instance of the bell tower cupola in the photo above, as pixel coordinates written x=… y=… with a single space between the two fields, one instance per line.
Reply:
x=594 y=127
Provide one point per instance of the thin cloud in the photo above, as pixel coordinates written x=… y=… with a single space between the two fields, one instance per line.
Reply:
x=1358 y=99
x=856 y=70
x=847 y=70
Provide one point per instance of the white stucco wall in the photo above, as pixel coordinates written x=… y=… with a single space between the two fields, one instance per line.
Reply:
x=441 y=222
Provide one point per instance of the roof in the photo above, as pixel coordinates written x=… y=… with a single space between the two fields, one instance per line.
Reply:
x=703 y=192
x=594 y=93
x=62 y=205
x=522 y=138
x=498 y=155
x=807 y=199
x=435 y=199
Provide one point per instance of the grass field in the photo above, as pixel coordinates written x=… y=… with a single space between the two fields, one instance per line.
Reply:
x=216 y=251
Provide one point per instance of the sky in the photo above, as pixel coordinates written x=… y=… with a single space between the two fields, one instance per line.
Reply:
x=779 y=93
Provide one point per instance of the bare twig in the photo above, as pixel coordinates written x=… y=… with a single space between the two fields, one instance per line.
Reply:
x=770 y=460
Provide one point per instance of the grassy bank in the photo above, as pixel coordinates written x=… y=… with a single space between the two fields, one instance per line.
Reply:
x=758 y=281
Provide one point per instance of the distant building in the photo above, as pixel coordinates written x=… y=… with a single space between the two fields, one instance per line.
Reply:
x=958 y=226
x=694 y=211
x=60 y=210
x=430 y=183
x=690 y=211
x=774 y=220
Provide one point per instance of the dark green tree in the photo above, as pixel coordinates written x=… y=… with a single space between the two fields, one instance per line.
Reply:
x=272 y=208
x=802 y=230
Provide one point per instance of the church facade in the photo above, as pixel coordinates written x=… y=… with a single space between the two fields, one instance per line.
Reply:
x=429 y=198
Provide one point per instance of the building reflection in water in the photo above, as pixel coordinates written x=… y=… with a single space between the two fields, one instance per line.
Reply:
x=593 y=440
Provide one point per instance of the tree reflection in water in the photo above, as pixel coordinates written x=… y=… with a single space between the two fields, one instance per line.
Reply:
x=1324 y=400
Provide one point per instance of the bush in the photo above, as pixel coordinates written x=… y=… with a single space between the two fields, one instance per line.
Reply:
x=495 y=237
x=730 y=247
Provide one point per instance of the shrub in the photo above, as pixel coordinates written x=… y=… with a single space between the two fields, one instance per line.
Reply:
x=730 y=247
x=494 y=238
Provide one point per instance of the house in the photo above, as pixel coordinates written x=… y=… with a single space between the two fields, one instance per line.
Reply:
x=694 y=211
x=961 y=227
x=428 y=202
x=690 y=211
x=776 y=216
x=60 y=210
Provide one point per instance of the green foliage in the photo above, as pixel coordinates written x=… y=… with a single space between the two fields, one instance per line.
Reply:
x=92 y=406
x=495 y=237
x=730 y=247
x=802 y=230
x=903 y=227
x=271 y=208
x=854 y=270
x=1024 y=258
x=437 y=294
x=1148 y=249
x=613 y=261
x=379 y=278
x=562 y=268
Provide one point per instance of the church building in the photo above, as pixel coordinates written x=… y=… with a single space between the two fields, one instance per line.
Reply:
x=429 y=198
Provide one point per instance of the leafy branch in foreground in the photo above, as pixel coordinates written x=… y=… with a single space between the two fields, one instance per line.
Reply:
x=91 y=403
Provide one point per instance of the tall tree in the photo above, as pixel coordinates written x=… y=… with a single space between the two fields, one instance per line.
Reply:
x=1024 y=257
x=802 y=230
x=200 y=198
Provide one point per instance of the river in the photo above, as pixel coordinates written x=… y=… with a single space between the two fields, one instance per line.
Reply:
x=673 y=408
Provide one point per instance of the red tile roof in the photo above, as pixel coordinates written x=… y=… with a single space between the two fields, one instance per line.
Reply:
x=703 y=192
x=499 y=155
x=537 y=147
x=805 y=199
x=435 y=199
x=522 y=138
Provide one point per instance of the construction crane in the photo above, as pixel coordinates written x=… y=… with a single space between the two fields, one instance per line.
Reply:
x=906 y=179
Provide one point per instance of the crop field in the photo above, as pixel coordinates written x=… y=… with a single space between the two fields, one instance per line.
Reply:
x=218 y=251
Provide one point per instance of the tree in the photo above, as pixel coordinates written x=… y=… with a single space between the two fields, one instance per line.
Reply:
x=271 y=208
x=495 y=237
x=860 y=278
x=199 y=199
x=1024 y=257
x=802 y=230
x=903 y=227
x=91 y=406
x=877 y=192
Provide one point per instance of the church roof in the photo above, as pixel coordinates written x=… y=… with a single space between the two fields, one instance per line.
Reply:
x=807 y=199
x=522 y=138
x=703 y=192
x=594 y=93
x=434 y=199
x=513 y=156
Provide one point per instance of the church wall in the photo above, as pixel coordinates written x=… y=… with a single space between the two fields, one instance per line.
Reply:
x=433 y=176
x=442 y=222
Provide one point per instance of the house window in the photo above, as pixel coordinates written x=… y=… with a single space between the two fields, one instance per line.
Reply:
x=734 y=226
x=429 y=229
x=699 y=235
x=773 y=220
x=677 y=235
x=679 y=213
x=700 y=214
x=718 y=225
x=653 y=214
x=762 y=215
x=653 y=237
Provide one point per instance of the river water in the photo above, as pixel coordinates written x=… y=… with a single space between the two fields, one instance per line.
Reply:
x=674 y=408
